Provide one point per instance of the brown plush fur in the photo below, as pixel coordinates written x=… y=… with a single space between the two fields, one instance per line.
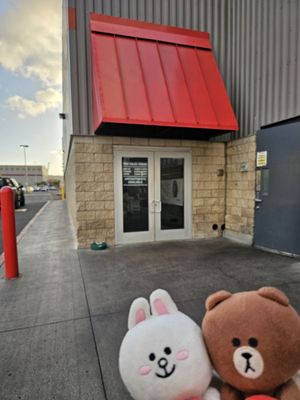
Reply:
x=273 y=325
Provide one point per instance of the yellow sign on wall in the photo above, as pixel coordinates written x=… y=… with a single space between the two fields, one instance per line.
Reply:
x=261 y=158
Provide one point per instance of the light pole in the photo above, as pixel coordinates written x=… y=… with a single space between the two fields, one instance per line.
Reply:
x=25 y=146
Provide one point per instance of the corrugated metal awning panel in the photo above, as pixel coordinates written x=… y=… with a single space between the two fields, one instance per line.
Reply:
x=151 y=82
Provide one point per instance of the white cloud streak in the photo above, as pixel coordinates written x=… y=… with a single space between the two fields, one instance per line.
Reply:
x=30 y=39
x=44 y=100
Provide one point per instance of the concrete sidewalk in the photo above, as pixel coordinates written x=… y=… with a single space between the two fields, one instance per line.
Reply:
x=62 y=322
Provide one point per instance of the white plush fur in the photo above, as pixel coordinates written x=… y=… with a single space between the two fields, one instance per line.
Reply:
x=167 y=300
x=297 y=379
x=138 y=304
x=166 y=328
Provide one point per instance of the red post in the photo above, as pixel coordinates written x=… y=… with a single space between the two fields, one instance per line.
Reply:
x=9 y=233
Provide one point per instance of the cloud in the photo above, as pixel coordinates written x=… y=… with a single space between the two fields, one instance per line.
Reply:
x=30 y=39
x=44 y=100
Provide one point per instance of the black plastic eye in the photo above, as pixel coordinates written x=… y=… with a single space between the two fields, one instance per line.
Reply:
x=167 y=350
x=253 y=342
x=151 y=356
x=236 y=342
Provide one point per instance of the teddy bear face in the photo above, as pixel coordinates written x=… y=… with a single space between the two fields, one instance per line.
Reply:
x=253 y=341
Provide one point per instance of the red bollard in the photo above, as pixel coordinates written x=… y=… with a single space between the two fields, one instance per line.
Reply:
x=9 y=233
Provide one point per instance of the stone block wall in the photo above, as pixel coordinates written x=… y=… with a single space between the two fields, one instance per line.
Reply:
x=208 y=166
x=94 y=191
x=90 y=186
x=240 y=189
x=70 y=188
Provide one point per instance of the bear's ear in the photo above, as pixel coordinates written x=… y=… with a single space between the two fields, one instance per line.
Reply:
x=216 y=298
x=274 y=294
x=139 y=312
x=162 y=303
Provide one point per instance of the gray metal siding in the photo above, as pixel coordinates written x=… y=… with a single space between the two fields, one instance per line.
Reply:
x=67 y=97
x=256 y=43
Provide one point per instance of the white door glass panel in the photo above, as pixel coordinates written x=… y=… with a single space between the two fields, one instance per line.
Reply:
x=134 y=190
x=153 y=196
x=135 y=194
x=173 y=192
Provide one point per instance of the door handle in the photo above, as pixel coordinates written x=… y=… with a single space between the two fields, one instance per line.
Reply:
x=152 y=206
x=258 y=200
x=155 y=206
x=158 y=206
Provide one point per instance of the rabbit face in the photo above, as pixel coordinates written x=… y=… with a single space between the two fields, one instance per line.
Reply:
x=165 y=369
x=163 y=356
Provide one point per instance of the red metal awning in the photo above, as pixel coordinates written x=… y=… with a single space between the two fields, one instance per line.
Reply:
x=156 y=75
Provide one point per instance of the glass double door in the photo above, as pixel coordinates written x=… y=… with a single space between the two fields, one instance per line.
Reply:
x=153 y=195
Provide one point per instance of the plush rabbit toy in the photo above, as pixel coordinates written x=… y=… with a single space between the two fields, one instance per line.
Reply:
x=163 y=356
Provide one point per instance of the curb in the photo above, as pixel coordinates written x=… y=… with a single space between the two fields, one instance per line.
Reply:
x=25 y=229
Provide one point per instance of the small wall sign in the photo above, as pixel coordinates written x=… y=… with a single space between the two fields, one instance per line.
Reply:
x=261 y=158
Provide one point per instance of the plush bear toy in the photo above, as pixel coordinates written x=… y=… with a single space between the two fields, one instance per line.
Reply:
x=163 y=356
x=253 y=339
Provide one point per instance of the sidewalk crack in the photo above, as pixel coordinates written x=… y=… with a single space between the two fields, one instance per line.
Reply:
x=61 y=321
x=93 y=331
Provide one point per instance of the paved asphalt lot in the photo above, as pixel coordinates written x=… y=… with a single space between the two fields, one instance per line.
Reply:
x=62 y=322
x=34 y=202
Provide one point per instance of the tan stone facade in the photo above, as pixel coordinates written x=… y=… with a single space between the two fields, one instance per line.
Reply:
x=240 y=189
x=94 y=191
x=208 y=185
x=70 y=187
x=90 y=185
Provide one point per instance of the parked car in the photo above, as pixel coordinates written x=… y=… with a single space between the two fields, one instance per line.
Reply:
x=28 y=189
x=19 y=195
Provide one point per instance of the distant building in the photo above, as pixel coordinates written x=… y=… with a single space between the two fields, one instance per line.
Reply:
x=35 y=173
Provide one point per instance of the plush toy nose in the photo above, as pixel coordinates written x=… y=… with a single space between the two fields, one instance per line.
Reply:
x=162 y=362
x=247 y=356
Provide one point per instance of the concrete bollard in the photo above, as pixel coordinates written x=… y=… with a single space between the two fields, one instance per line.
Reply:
x=9 y=233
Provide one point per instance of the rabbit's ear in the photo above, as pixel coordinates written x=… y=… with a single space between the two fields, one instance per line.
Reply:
x=162 y=303
x=139 y=311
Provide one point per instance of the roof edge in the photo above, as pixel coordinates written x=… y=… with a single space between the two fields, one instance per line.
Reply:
x=144 y=30
x=219 y=127
x=155 y=131
x=281 y=122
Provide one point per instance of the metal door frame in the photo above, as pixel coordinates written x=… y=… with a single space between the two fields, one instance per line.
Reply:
x=153 y=154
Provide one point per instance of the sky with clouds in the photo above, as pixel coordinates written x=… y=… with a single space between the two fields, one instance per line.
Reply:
x=30 y=82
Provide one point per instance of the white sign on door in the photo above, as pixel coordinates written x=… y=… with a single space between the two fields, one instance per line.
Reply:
x=261 y=158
